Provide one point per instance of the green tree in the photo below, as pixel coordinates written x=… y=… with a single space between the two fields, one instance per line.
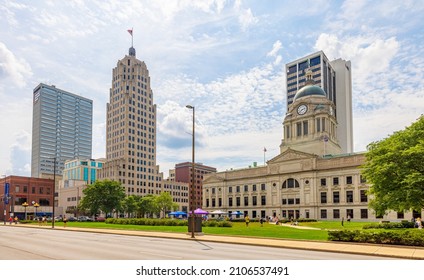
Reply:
x=105 y=196
x=129 y=204
x=147 y=206
x=164 y=202
x=394 y=168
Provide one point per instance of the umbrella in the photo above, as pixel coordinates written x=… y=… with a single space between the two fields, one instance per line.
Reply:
x=218 y=212
x=236 y=213
x=200 y=211
x=177 y=213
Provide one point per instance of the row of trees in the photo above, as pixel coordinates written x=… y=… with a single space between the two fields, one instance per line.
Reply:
x=109 y=197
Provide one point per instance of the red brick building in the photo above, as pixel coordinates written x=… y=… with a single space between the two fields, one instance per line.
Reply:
x=37 y=192
x=183 y=174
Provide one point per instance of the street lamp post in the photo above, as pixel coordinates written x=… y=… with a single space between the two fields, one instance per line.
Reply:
x=25 y=205
x=192 y=201
x=54 y=190
x=36 y=205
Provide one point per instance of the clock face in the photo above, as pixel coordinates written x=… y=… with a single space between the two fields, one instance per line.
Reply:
x=302 y=109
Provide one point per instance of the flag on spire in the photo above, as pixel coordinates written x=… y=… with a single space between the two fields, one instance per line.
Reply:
x=130 y=31
x=264 y=149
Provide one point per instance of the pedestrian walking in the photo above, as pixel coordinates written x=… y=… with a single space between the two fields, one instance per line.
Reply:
x=342 y=221
x=261 y=221
x=65 y=220
x=247 y=220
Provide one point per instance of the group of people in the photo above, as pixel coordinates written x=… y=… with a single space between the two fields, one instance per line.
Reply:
x=11 y=220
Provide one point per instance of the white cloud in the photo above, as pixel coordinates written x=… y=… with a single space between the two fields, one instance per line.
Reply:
x=369 y=55
x=247 y=19
x=275 y=48
x=21 y=153
x=13 y=68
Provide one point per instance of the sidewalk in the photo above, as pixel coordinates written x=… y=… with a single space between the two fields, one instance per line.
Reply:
x=403 y=252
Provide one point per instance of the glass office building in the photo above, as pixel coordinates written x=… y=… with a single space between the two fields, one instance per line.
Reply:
x=61 y=129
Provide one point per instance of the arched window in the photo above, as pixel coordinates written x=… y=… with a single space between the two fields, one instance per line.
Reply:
x=290 y=184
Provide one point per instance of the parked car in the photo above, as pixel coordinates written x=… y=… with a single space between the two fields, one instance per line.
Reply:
x=72 y=219
x=84 y=219
x=100 y=219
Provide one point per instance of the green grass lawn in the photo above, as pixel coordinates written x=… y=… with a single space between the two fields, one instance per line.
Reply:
x=238 y=229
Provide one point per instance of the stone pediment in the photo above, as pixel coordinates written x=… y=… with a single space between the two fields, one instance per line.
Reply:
x=212 y=178
x=289 y=155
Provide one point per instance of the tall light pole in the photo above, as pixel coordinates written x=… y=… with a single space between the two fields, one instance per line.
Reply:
x=192 y=200
x=5 y=198
x=54 y=189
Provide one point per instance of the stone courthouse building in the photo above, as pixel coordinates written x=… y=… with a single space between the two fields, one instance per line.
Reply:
x=310 y=178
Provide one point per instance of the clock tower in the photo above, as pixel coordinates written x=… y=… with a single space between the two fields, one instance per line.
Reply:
x=310 y=124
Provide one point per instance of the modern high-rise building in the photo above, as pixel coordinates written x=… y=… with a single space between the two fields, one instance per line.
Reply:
x=335 y=78
x=131 y=129
x=61 y=129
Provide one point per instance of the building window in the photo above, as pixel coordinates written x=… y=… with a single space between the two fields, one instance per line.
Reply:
x=263 y=200
x=323 y=214
x=288 y=132
x=364 y=213
x=349 y=196
x=336 y=181
x=349 y=180
x=213 y=190
x=246 y=201
x=336 y=214
x=262 y=187
x=323 y=197
x=213 y=202
x=400 y=215
x=290 y=201
x=254 y=188
x=246 y=188
x=323 y=182
x=297 y=200
x=230 y=189
x=219 y=202
x=305 y=128
x=230 y=201
x=349 y=213
x=238 y=189
x=237 y=201
x=364 y=197
x=318 y=121
x=254 y=200
x=284 y=201
x=336 y=197
x=290 y=183
x=299 y=129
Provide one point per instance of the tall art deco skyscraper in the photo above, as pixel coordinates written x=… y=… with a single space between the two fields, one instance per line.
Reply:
x=131 y=129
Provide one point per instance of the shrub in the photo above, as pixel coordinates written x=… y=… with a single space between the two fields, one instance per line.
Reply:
x=403 y=224
x=400 y=237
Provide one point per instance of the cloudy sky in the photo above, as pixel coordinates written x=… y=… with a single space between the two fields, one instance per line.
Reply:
x=226 y=58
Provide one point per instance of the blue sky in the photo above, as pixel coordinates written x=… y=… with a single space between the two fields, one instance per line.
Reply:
x=226 y=58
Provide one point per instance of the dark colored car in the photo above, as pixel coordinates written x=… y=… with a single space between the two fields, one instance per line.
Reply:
x=100 y=219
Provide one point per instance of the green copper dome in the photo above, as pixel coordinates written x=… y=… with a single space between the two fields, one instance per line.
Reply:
x=308 y=91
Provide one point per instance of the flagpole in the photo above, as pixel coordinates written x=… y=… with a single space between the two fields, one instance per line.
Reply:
x=132 y=37
x=264 y=155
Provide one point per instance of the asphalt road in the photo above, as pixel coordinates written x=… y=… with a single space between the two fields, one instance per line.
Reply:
x=19 y=243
